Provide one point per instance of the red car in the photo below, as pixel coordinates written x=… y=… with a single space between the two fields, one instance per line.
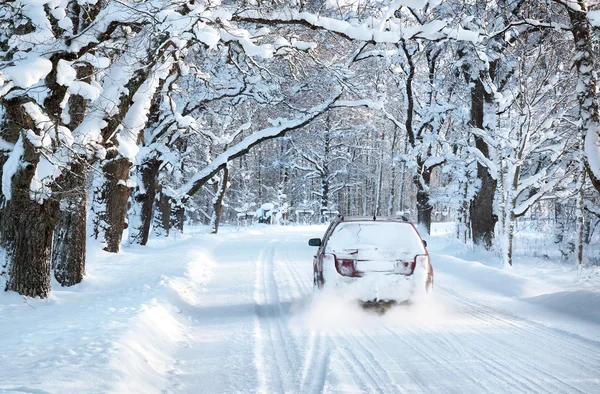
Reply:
x=373 y=260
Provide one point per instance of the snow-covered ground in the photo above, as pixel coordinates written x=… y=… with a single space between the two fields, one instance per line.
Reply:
x=236 y=313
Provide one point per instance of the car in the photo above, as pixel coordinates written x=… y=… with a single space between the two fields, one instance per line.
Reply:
x=373 y=260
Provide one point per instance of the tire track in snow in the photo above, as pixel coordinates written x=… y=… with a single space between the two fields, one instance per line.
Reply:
x=316 y=360
x=511 y=376
x=533 y=375
x=272 y=356
x=532 y=330
x=290 y=269
x=359 y=373
x=371 y=363
x=422 y=352
x=425 y=352
x=495 y=361
x=530 y=333
x=316 y=364
x=440 y=337
x=505 y=376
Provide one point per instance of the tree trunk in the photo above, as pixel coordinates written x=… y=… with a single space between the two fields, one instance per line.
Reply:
x=580 y=209
x=26 y=232
x=69 y=241
x=393 y=173
x=259 y=178
x=424 y=207
x=509 y=233
x=162 y=220
x=464 y=223
x=482 y=215
x=178 y=216
x=27 y=229
x=324 y=197
x=403 y=180
x=116 y=172
x=27 y=238
x=26 y=226
x=509 y=183
x=139 y=226
x=325 y=174
x=585 y=62
x=378 y=187
x=218 y=201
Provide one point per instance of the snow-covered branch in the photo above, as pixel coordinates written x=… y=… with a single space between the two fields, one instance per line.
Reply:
x=244 y=146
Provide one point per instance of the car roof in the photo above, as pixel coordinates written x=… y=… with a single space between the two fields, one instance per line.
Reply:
x=397 y=219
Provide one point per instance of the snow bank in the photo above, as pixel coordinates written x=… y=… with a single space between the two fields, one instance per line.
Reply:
x=582 y=304
x=493 y=279
x=143 y=361
x=116 y=332
x=530 y=284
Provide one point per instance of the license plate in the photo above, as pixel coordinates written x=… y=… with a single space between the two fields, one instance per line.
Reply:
x=375 y=266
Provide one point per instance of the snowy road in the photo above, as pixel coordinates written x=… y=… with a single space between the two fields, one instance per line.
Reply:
x=236 y=314
x=257 y=330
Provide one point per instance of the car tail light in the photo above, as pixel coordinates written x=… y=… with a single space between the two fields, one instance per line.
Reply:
x=409 y=267
x=422 y=260
x=346 y=267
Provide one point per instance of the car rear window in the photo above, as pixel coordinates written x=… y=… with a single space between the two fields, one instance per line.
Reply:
x=376 y=240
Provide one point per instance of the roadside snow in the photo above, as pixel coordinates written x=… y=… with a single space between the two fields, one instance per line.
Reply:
x=114 y=332
x=236 y=313
x=541 y=289
x=584 y=304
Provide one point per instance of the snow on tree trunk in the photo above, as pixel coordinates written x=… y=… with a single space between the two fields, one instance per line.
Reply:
x=463 y=225
x=69 y=241
x=393 y=173
x=424 y=208
x=26 y=225
x=403 y=179
x=178 y=216
x=324 y=197
x=324 y=174
x=508 y=217
x=580 y=214
x=218 y=201
x=580 y=205
x=379 y=185
x=143 y=202
x=585 y=63
x=463 y=221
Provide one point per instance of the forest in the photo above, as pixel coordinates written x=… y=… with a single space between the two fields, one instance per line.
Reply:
x=124 y=120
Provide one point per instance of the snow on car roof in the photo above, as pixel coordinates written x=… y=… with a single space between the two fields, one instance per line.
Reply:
x=384 y=239
x=374 y=219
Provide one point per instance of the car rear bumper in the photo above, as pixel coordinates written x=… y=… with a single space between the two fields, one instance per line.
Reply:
x=376 y=287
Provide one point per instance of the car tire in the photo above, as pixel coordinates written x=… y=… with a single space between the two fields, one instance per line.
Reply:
x=317 y=283
x=429 y=284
